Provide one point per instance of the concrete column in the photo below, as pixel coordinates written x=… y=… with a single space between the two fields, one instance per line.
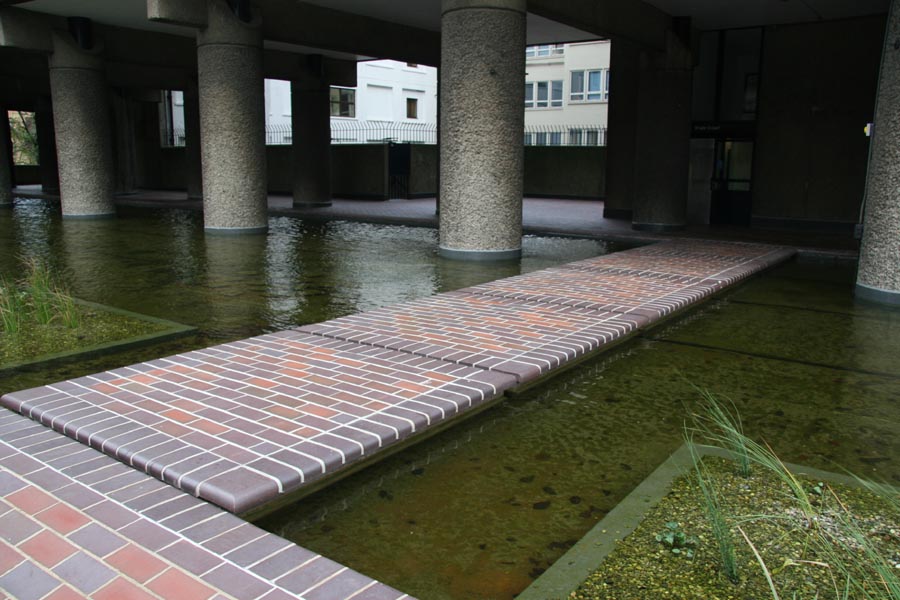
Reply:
x=124 y=109
x=482 y=124
x=81 y=117
x=6 y=198
x=663 y=138
x=192 y=148
x=232 y=121
x=621 y=138
x=878 y=277
x=311 y=141
x=47 y=146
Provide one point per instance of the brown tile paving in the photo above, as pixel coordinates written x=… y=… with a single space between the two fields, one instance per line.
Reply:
x=351 y=400
x=80 y=557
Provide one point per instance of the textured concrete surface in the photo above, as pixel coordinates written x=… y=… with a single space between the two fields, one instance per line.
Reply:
x=622 y=130
x=311 y=142
x=81 y=115
x=483 y=67
x=192 y=146
x=879 y=256
x=232 y=122
x=663 y=139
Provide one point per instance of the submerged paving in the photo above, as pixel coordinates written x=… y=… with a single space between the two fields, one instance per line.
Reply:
x=247 y=423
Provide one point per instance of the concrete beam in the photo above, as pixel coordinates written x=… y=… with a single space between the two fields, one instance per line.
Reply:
x=288 y=66
x=303 y=24
x=25 y=30
x=633 y=20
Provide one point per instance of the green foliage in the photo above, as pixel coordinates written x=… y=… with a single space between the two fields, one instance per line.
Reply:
x=676 y=540
x=23 y=132
x=38 y=299
x=12 y=307
x=716 y=514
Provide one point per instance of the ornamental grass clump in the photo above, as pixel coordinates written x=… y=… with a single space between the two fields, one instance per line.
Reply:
x=37 y=299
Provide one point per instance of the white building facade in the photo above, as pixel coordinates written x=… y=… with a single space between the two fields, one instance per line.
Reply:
x=567 y=93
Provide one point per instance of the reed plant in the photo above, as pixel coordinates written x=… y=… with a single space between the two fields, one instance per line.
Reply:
x=67 y=309
x=716 y=515
x=41 y=290
x=833 y=534
x=12 y=307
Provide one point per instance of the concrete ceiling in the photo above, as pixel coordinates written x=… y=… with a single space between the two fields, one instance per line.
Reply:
x=728 y=14
x=425 y=14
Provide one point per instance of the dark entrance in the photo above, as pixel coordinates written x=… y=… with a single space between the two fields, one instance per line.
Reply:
x=730 y=203
x=399 y=157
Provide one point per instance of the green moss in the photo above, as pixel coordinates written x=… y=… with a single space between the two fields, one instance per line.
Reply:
x=95 y=326
x=641 y=568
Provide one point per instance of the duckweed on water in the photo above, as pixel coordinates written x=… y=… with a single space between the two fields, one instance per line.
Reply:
x=641 y=567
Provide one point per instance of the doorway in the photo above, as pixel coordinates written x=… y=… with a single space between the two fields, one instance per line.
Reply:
x=730 y=203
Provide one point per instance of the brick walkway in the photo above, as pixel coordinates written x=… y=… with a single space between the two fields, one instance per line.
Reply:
x=250 y=422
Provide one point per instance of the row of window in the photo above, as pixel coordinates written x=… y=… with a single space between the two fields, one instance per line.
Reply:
x=574 y=137
x=545 y=50
x=585 y=86
x=343 y=104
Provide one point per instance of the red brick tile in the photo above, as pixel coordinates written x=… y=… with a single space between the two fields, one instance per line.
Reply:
x=64 y=593
x=209 y=427
x=47 y=548
x=62 y=519
x=31 y=500
x=9 y=558
x=121 y=589
x=136 y=562
x=179 y=415
x=175 y=585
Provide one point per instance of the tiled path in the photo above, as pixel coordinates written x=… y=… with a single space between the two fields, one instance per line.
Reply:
x=244 y=423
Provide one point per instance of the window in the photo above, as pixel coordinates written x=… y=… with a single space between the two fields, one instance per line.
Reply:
x=586 y=137
x=412 y=108
x=575 y=137
x=545 y=50
x=543 y=94
x=529 y=139
x=589 y=86
x=343 y=102
x=555 y=138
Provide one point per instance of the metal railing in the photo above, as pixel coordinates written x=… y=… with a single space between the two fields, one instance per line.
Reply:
x=382 y=132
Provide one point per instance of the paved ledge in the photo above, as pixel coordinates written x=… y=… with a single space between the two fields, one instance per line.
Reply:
x=75 y=523
x=242 y=423
x=250 y=422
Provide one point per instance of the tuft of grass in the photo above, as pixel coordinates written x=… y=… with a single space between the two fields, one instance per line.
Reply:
x=12 y=307
x=715 y=513
x=41 y=290
x=833 y=533
x=66 y=309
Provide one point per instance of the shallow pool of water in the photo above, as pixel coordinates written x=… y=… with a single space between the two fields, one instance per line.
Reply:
x=480 y=510
x=159 y=262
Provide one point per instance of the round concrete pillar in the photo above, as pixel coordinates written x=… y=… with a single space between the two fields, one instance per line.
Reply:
x=482 y=122
x=311 y=141
x=192 y=133
x=878 y=277
x=47 y=146
x=6 y=198
x=663 y=139
x=232 y=122
x=82 y=122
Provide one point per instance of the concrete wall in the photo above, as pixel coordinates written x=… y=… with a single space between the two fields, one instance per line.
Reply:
x=817 y=92
x=565 y=171
x=359 y=171
x=423 y=170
